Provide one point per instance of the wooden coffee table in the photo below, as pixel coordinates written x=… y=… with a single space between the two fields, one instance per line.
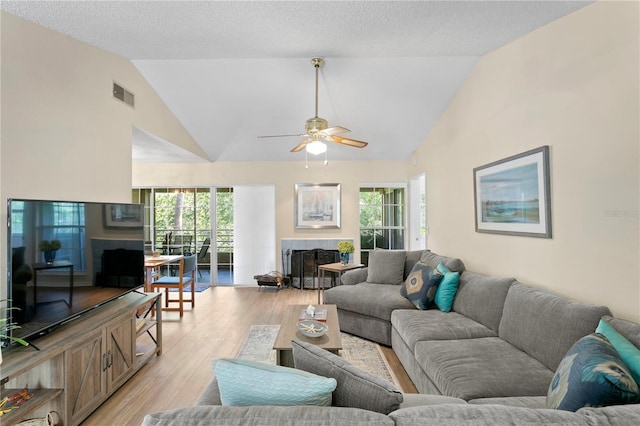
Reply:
x=331 y=341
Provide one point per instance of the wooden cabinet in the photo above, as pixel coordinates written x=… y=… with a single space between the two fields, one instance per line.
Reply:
x=82 y=363
x=86 y=385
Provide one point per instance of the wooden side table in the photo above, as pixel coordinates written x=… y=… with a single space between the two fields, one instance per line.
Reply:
x=55 y=265
x=337 y=268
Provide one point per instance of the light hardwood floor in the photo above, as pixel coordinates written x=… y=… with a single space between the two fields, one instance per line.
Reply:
x=215 y=328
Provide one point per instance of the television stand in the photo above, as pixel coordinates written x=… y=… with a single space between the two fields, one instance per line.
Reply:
x=83 y=362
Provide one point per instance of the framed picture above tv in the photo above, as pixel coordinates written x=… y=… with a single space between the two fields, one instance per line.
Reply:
x=123 y=216
x=317 y=205
x=513 y=197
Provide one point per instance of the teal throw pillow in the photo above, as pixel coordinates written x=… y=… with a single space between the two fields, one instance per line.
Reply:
x=591 y=374
x=421 y=285
x=244 y=383
x=629 y=354
x=447 y=289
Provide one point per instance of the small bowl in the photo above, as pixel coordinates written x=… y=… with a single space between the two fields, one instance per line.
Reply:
x=312 y=328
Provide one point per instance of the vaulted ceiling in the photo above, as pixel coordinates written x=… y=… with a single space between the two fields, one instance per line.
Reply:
x=233 y=70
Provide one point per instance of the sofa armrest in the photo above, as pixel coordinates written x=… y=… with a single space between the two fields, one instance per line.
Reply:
x=354 y=276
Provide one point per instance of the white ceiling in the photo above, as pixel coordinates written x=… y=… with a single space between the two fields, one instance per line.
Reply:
x=233 y=70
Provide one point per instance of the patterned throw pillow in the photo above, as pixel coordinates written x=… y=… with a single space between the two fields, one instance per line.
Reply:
x=447 y=289
x=243 y=383
x=591 y=374
x=421 y=285
x=629 y=354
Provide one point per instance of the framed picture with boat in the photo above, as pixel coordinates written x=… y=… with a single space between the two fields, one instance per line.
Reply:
x=317 y=205
x=513 y=196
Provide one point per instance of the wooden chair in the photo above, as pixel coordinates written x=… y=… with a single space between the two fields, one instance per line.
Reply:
x=186 y=277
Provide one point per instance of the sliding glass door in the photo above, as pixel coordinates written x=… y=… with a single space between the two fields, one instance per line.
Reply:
x=242 y=219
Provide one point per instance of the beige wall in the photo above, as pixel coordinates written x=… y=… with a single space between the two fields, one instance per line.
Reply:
x=63 y=136
x=572 y=85
x=283 y=176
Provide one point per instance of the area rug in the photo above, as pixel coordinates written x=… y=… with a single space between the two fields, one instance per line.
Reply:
x=362 y=353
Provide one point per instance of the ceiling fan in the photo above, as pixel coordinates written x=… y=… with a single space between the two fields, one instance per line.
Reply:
x=317 y=129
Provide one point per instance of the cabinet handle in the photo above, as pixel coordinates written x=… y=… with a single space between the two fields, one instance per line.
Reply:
x=104 y=362
x=110 y=359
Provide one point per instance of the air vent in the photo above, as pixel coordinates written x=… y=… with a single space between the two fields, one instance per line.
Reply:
x=123 y=94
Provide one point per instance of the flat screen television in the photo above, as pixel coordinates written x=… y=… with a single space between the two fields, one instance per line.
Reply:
x=100 y=258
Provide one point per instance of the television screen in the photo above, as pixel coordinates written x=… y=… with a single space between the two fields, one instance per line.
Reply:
x=66 y=258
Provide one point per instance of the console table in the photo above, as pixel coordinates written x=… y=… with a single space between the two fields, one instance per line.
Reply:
x=46 y=266
x=83 y=362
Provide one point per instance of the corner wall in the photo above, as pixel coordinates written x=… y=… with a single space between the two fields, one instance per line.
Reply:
x=572 y=85
x=63 y=136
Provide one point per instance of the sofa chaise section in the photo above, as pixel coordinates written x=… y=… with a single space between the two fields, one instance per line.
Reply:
x=535 y=331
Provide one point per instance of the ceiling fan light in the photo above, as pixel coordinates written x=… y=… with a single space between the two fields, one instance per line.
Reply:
x=316 y=147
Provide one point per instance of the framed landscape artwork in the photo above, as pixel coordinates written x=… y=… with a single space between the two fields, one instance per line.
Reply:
x=317 y=205
x=513 y=197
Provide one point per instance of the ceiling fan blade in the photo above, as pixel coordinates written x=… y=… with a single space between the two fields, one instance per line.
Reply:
x=346 y=141
x=336 y=130
x=301 y=145
x=281 y=136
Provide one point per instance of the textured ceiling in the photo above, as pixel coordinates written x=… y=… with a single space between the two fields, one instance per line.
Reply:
x=232 y=70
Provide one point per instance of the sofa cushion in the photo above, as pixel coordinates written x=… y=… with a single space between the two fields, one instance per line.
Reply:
x=629 y=354
x=545 y=325
x=386 y=266
x=514 y=401
x=432 y=259
x=421 y=285
x=372 y=300
x=591 y=375
x=414 y=326
x=481 y=368
x=420 y=399
x=244 y=382
x=266 y=416
x=355 y=387
x=617 y=415
x=481 y=298
x=211 y=394
x=410 y=260
x=456 y=414
x=447 y=288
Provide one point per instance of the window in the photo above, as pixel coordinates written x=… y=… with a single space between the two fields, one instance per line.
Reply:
x=382 y=219
x=64 y=222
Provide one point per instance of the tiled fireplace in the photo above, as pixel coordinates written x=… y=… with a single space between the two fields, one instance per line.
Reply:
x=301 y=257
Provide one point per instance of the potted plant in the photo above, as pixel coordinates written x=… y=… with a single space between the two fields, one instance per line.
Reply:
x=345 y=248
x=6 y=326
x=49 y=249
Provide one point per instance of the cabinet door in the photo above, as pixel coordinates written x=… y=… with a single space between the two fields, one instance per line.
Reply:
x=85 y=366
x=120 y=352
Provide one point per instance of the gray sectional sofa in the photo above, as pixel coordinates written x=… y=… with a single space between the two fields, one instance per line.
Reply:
x=490 y=360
